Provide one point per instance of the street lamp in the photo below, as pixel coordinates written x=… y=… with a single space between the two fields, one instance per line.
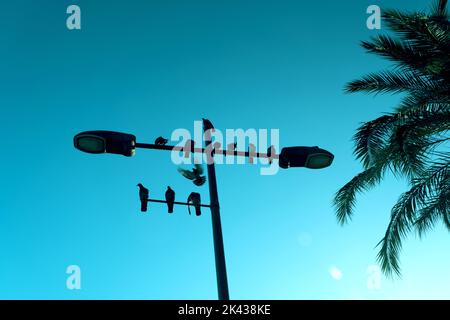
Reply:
x=101 y=141
x=308 y=157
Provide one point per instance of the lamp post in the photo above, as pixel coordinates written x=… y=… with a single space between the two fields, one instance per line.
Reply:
x=97 y=142
x=219 y=251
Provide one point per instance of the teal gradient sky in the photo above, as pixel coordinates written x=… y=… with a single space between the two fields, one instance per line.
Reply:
x=149 y=67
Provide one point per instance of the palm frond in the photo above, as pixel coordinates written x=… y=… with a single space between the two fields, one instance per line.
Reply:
x=413 y=137
x=371 y=137
x=408 y=152
x=345 y=199
x=404 y=214
x=427 y=217
x=412 y=27
x=438 y=207
x=439 y=8
x=396 y=51
x=391 y=244
x=423 y=102
x=391 y=81
x=412 y=140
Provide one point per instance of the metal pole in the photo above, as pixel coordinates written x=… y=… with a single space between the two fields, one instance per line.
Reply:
x=219 y=252
x=179 y=203
x=227 y=153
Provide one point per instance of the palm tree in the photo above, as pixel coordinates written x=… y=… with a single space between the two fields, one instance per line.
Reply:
x=412 y=141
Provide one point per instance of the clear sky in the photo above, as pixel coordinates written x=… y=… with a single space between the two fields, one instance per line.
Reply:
x=149 y=67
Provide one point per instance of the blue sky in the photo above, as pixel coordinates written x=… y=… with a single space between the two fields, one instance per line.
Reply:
x=149 y=67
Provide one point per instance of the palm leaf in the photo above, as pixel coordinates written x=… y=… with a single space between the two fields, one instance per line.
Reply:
x=412 y=140
x=345 y=198
x=393 y=82
x=439 y=9
x=404 y=213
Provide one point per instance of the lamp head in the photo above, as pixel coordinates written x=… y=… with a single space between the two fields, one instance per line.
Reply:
x=100 y=141
x=308 y=157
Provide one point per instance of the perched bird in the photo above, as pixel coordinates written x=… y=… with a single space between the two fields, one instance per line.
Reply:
x=195 y=174
x=194 y=198
x=270 y=153
x=160 y=141
x=207 y=124
x=170 y=198
x=143 y=196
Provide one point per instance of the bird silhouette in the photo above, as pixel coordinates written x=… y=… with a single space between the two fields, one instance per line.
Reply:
x=161 y=141
x=194 y=198
x=143 y=196
x=207 y=124
x=270 y=153
x=195 y=174
x=170 y=198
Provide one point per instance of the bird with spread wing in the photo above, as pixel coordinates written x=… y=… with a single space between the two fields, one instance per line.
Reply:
x=196 y=174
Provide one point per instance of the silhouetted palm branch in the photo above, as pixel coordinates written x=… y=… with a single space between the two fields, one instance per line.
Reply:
x=404 y=214
x=407 y=142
